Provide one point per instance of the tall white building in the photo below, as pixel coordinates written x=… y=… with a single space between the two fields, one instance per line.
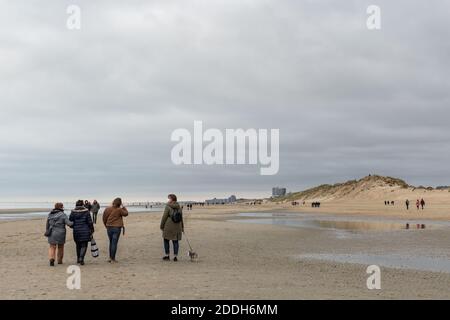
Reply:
x=278 y=192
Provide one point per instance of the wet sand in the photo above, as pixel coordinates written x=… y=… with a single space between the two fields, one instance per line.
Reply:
x=237 y=260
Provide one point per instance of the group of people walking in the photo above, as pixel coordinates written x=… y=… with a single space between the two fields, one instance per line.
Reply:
x=94 y=208
x=82 y=223
x=315 y=204
x=419 y=204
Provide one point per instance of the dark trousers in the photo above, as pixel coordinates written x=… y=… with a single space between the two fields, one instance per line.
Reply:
x=94 y=217
x=81 y=250
x=113 y=235
x=176 y=246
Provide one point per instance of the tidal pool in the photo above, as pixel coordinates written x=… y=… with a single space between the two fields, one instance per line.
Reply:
x=414 y=262
x=351 y=224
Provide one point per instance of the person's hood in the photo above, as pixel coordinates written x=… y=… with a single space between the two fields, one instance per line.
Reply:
x=79 y=209
x=174 y=205
x=55 y=214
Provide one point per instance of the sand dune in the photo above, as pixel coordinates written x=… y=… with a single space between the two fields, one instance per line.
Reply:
x=372 y=187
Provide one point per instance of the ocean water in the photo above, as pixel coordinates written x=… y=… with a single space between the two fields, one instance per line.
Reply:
x=26 y=205
x=36 y=207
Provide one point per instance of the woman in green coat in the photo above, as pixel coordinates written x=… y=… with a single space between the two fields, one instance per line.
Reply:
x=172 y=226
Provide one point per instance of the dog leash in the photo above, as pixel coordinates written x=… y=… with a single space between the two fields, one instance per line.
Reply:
x=187 y=239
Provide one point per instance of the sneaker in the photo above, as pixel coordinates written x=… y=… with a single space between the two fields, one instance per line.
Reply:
x=52 y=262
x=175 y=259
x=82 y=262
x=166 y=258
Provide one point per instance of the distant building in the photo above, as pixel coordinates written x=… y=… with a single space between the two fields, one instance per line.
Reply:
x=278 y=192
x=231 y=199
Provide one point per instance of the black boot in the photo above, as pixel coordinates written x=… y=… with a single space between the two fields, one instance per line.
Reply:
x=82 y=255
x=52 y=262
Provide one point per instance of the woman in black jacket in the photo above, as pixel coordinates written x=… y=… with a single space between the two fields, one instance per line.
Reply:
x=83 y=228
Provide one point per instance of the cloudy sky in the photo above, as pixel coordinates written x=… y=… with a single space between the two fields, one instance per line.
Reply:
x=89 y=113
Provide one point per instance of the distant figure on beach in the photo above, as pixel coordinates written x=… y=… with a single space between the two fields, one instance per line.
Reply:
x=55 y=231
x=407 y=204
x=113 y=220
x=87 y=205
x=422 y=203
x=83 y=228
x=418 y=204
x=95 y=209
x=172 y=226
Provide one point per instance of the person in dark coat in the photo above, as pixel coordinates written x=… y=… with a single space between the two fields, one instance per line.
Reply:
x=95 y=209
x=83 y=228
x=88 y=205
x=422 y=203
x=55 y=231
x=171 y=230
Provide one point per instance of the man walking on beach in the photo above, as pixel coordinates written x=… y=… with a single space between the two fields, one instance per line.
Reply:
x=422 y=203
x=407 y=204
x=95 y=209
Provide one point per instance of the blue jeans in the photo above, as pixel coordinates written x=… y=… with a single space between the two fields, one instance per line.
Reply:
x=176 y=246
x=113 y=235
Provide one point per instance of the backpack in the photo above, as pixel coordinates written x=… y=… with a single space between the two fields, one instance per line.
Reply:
x=177 y=216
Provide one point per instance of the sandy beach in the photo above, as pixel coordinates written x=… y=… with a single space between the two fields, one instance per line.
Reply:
x=237 y=260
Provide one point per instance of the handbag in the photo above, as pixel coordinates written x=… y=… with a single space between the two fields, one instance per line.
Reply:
x=94 y=249
x=48 y=232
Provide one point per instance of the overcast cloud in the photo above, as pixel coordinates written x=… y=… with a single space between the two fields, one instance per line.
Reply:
x=89 y=113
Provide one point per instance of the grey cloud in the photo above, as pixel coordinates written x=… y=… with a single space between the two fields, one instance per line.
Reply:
x=94 y=109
